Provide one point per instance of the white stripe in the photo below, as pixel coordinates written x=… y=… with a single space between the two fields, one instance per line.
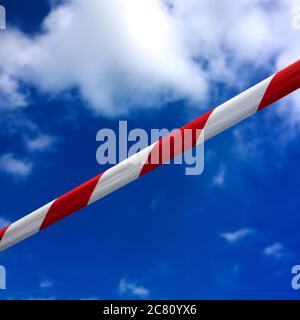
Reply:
x=121 y=174
x=24 y=227
x=200 y=138
x=236 y=109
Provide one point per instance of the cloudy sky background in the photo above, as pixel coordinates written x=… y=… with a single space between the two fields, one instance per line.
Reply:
x=70 y=68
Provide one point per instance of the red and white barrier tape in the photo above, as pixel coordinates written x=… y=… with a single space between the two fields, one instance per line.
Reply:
x=213 y=122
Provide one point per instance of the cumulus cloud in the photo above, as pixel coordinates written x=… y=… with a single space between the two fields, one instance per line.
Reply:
x=219 y=178
x=247 y=148
x=290 y=115
x=10 y=92
x=115 y=53
x=46 y=284
x=123 y=54
x=132 y=288
x=15 y=166
x=233 y=237
x=275 y=250
x=41 y=142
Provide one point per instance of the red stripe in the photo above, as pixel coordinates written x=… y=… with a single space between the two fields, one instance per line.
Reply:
x=2 y=232
x=158 y=156
x=282 y=84
x=70 y=202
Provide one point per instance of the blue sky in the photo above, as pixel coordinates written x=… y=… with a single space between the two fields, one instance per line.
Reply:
x=232 y=232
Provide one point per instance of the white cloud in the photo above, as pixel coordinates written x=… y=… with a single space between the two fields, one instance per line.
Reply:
x=15 y=166
x=246 y=148
x=10 y=92
x=275 y=250
x=255 y=146
x=4 y=222
x=219 y=178
x=46 y=284
x=41 y=142
x=123 y=54
x=116 y=53
x=42 y=298
x=132 y=288
x=233 y=237
x=290 y=115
